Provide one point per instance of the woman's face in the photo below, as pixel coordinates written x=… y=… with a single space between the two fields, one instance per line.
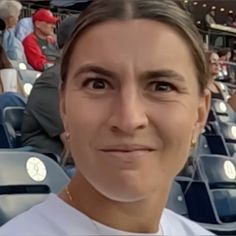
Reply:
x=214 y=64
x=131 y=107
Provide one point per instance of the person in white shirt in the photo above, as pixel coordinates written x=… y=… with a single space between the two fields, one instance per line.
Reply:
x=10 y=12
x=24 y=27
x=132 y=111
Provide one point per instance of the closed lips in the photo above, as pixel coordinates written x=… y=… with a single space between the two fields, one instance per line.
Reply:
x=127 y=148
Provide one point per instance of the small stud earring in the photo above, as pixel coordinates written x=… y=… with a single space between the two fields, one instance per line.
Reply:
x=193 y=143
x=67 y=136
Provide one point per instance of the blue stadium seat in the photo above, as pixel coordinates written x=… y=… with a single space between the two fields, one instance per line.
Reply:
x=210 y=144
x=26 y=179
x=219 y=173
x=217 y=144
x=223 y=111
x=202 y=207
x=12 y=118
x=176 y=201
x=228 y=131
x=202 y=147
x=29 y=76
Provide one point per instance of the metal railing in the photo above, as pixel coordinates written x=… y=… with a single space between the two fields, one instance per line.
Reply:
x=61 y=13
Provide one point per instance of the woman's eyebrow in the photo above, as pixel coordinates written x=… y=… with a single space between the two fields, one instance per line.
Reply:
x=163 y=73
x=155 y=74
x=95 y=69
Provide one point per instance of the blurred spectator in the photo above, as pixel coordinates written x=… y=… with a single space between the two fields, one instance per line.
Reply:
x=210 y=18
x=24 y=27
x=78 y=5
x=228 y=72
x=9 y=13
x=230 y=20
x=40 y=46
x=8 y=76
x=42 y=126
x=224 y=54
x=214 y=69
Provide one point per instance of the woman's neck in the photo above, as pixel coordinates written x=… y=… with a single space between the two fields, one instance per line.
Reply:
x=138 y=217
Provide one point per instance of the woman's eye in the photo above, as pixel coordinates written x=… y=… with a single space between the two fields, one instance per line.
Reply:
x=161 y=86
x=96 y=84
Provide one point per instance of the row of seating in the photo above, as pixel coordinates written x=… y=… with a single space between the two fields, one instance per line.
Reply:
x=27 y=76
x=205 y=192
x=211 y=190
x=208 y=198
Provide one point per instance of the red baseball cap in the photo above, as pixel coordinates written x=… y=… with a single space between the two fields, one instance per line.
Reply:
x=44 y=15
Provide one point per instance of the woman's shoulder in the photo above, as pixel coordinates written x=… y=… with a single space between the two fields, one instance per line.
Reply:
x=174 y=224
x=51 y=217
x=27 y=223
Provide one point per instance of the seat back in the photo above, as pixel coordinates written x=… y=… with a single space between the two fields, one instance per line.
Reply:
x=29 y=76
x=202 y=146
x=12 y=119
x=219 y=172
x=20 y=65
x=26 y=178
x=176 y=200
x=216 y=144
x=31 y=168
x=200 y=203
x=225 y=202
x=223 y=111
x=228 y=131
x=4 y=143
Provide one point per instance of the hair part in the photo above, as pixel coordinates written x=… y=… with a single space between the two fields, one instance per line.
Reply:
x=9 y=8
x=165 y=11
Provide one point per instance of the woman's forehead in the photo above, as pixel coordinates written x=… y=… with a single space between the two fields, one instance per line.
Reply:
x=142 y=41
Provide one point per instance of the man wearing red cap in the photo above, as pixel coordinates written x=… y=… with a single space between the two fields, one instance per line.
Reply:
x=40 y=46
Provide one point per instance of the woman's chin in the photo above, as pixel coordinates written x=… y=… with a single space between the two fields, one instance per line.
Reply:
x=125 y=193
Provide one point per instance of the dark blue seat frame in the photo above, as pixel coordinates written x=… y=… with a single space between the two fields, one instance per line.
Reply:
x=12 y=118
x=201 y=207
x=221 y=189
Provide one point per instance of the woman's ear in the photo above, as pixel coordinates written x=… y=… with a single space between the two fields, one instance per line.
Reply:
x=203 y=111
x=62 y=105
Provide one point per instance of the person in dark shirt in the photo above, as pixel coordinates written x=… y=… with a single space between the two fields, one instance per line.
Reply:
x=42 y=127
x=214 y=67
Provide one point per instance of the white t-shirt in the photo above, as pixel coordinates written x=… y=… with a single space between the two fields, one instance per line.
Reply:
x=54 y=217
